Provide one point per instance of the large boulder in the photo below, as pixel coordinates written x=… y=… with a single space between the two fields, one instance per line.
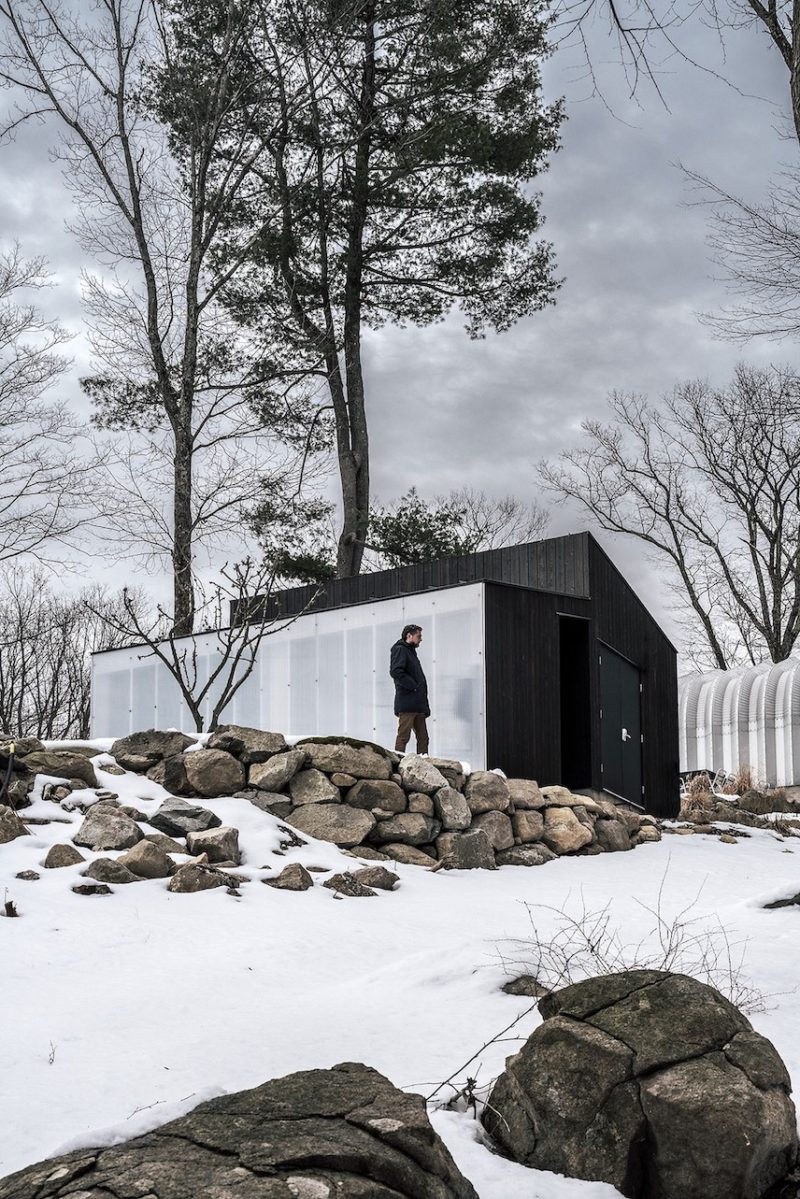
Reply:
x=487 y=792
x=110 y=870
x=563 y=831
x=528 y=825
x=246 y=744
x=142 y=750
x=147 y=861
x=345 y=1133
x=214 y=772
x=452 y=809
x=466 y=851
x=497 y=827
x=525 y=793
x=220 y=844
x=61 y=855
x=170 y=773
x=11 y=826
x=652 y=1082
x=525 y=855
x=337 y=823
x=452 y=770
x=293 y=877
x=409 y=828
x=105 y=827
x=197 y=876
x=377 y=793
x=357 y=758
x=176 y=818
x=420 y=774
x=274 y=774
x=612 y=836
x=22 y=747
x=62 y=764
x=312 y=786
x=408 y=855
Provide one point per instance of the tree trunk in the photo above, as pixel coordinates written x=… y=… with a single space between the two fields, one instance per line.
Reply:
x=183 y=575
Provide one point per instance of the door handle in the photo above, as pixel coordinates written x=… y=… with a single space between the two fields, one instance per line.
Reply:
x=626 y=735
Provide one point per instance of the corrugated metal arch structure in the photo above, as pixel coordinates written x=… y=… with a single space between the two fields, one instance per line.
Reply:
x=729 y=719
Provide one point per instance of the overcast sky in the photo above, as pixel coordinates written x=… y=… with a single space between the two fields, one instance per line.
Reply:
x=446 y=412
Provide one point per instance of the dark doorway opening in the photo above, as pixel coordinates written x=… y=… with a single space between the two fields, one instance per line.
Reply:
x=576 y=736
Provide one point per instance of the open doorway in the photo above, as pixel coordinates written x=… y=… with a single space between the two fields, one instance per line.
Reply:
x=576 y=741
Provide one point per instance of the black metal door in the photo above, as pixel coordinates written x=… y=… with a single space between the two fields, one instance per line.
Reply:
x=620 y=726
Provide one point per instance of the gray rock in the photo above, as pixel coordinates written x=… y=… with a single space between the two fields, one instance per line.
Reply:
x=164 y=843
x=246 y=744
x=269 y=801
x=107 y=828
x=419 y=774
x=213 y=772
x=367 y=854
x=452 y=809
x=170 y=773
x=176 y=818
x=631 y=820
x=345 y=1133
x=528 y=825
x=452 y=770
x=147 y=860
x=274 y=774
x=109 y=870
x=22 y=747
x=18 y=792
x=497 y=827
x=62 y=855
x=195 y=876
x=409 y=855
x=525 y=855
x=313 y=787
x=359 y=759
x=377 y=876
x=612 y=836
x=377 y=793
x=84 y=889
x=648 y=832
x=563 y=832
x=525 y=794
x=468 y=851
x=142 y=750
x=62 y=764
x=221 y=844
x=11 y=826
x=412 y=828
x=347 y=884
x=417 y=802
x=486 y=792
x=525 y=984
x=344 y=781
x=28 y=876
x=617 y=1083
x=337 y=823
x=561 y=797
x=293 y=877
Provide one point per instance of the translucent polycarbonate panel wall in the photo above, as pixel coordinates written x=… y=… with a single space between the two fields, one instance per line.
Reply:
x=327 y=673
x=748 y=717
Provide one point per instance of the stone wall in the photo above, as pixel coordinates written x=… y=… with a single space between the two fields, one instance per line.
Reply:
x=407 y=808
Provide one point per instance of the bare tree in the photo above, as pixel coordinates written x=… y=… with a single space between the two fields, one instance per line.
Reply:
x=43 y=479
x=709 y=481
x=46 y=642
x=491 y=522
x=235 y=616
x=150 y=216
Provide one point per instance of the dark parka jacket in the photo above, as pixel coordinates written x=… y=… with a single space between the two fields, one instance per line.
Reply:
x=410 y=685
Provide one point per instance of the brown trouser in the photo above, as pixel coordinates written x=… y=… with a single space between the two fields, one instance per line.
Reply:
x=406 y=722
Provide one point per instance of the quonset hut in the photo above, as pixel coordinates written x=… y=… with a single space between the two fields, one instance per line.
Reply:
x=750 y=717
x=540 y=659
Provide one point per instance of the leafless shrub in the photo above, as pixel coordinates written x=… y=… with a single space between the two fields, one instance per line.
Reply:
x=588 y=942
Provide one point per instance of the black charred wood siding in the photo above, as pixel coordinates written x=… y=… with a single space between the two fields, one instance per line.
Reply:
x=560 y=564
x=522 y=655
x=621 y=621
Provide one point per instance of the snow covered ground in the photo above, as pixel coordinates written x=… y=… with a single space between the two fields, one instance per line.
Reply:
x=121 y=1012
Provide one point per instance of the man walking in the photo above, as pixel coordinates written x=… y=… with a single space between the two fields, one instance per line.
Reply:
x=410 y=690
